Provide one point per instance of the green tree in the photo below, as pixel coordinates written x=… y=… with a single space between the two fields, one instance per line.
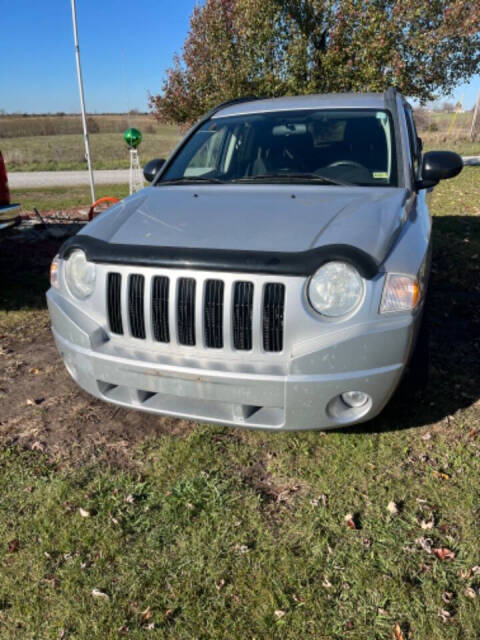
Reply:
x=277 y=47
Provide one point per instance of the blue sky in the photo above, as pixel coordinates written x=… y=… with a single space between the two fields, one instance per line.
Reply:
x=125 y=48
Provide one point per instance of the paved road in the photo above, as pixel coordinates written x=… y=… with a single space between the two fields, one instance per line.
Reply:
x=30 y=179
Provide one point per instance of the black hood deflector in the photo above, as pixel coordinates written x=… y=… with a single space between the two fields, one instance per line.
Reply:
x=303 y=263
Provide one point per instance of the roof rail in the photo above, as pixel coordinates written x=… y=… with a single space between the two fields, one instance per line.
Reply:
x=227 y=103
x=390 y=94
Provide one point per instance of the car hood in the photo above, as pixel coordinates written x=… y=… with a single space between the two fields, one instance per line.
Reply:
x=287 y=218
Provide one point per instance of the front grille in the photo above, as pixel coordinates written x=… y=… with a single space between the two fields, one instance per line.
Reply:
x=242 y=315
x=273 y=307
x=186 y=311
x=162 y=309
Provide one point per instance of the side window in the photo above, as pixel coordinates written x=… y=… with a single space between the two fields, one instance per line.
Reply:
x=209 y=155
x=415 y=149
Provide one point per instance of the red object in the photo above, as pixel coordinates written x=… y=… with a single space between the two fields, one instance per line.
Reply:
x=4 y=191
x=92 y=213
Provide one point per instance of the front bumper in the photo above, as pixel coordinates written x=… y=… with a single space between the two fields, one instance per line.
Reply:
x=9 y=216
x=300 y=393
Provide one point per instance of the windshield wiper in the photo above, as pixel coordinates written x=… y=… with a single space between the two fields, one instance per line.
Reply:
x=190 y=179
x=294 y=177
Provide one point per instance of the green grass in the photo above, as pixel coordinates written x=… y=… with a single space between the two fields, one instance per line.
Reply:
x=208 y=555
x=461 y=194
x=439 y=142
x=47 y=198
x=66 y=152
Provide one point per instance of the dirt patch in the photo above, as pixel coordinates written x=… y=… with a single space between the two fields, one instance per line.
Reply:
x=41 y=408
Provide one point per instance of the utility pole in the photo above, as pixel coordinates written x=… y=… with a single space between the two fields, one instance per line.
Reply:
x=82 y=99
x=476 y=113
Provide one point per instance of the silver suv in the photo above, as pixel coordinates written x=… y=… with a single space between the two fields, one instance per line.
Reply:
x=272 y=276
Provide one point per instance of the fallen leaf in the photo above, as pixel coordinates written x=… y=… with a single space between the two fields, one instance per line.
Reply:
x=427 y=524
x=444 y=615
x=130 y=499
x=475 y=569
x=321 y=500
x=84 y=513
x=146 y=615
x=96 y=593
x=326 y=583
x=470 y=593
x=38 y=446
x=297 y=599
x=13 y=545
x=425 y=543
x=443 y=553
x=279 y=613
x=440 y=474
x=447 y=597
x=242 y=549
x=392 y=508
x=398 y=632
x=220 y=584
x=350 y=521
x=427 y=436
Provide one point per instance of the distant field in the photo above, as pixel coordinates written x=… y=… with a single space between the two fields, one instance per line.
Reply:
x=15 y=126
x=55 y=143
x=66 y=151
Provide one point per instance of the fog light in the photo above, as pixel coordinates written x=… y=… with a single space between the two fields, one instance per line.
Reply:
x=355 y=399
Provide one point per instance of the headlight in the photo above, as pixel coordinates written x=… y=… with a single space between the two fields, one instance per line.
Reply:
x=336 y=289
x=79 y=274
x=400 y=293
x=55 y=272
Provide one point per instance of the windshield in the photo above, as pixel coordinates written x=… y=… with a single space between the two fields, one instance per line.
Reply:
x=324 y=146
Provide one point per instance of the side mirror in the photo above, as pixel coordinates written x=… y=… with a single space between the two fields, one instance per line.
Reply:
x=439 y=165
x=151 y=169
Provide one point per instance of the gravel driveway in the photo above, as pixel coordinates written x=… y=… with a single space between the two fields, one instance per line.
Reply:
x=31 y=179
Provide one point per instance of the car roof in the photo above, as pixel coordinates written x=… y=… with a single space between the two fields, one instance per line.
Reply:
x=316 y=101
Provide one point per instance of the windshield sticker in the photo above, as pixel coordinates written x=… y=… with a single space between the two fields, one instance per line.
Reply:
x=380 y=174
x=381 y=115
